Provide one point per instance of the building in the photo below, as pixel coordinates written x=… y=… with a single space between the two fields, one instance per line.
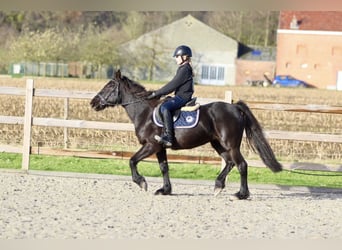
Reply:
x=309 y=47
x=256 y=67
x=214 y=54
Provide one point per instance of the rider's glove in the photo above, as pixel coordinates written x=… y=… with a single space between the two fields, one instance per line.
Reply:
x=151 y=96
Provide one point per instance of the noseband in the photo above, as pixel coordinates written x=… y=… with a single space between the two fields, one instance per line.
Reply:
x=103 y=101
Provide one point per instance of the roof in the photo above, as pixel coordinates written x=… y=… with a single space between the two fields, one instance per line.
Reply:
x=190 y=31
x=311 y=20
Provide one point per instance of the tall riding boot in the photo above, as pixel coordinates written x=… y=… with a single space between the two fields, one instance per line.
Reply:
x=167 y=137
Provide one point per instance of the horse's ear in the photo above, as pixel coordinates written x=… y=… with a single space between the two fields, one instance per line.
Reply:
x=118 y=74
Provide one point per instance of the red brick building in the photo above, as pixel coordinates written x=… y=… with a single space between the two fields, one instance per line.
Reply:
x=309 y=47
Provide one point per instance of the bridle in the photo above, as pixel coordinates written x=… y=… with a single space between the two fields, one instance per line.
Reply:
x=104 y=99
x=116 y=91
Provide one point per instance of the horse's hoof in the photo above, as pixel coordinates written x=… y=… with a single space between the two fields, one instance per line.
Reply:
x=217 y=191
x=242 y=196
x=162 y=191
x=143 y=185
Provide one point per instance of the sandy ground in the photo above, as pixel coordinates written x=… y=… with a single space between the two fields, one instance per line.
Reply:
x=50 y=205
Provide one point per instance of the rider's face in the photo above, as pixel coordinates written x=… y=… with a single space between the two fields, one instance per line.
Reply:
x=179 y=60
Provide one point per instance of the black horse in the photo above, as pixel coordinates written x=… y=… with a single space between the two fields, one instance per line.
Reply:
x=221 y=124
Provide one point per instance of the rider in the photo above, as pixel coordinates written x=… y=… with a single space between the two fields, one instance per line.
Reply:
x=183 y=86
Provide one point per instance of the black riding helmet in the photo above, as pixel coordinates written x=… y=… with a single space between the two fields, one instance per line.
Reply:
x=182 y=50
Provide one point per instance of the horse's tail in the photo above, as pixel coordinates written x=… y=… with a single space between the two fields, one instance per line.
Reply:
x=256 y=138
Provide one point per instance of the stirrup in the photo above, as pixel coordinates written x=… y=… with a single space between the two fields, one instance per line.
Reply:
x=163 y=141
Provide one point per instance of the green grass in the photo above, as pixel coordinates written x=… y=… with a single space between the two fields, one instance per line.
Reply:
x=177 y=170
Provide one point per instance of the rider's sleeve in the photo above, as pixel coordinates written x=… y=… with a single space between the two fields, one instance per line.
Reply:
x=182 y=75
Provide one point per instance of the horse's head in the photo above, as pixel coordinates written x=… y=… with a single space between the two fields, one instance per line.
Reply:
x=109 y=95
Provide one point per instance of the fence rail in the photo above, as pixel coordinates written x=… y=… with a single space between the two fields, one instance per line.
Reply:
x=296 y=108
x=28 y=121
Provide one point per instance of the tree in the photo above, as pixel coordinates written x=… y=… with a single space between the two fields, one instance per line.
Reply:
x=150 y=57
x=248 y=27
x=14 y=19
x=49 y=45
x=134 y=24
x=100 y=48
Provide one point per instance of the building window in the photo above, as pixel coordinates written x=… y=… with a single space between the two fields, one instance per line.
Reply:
x=212 y=72
x=220 y=73
x=205 y=72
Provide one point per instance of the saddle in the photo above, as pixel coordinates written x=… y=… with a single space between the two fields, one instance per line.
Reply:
x=185 y=117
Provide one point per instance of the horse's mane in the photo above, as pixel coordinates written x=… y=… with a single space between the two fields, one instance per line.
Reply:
x=135 y=88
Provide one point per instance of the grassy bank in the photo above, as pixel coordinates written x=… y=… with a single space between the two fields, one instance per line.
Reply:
x=177 y=170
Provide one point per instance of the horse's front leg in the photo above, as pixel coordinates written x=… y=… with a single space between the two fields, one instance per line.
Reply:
x=164 y=168
x=145 y=151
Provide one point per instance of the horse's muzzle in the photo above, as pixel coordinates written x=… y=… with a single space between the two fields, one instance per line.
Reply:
x=97 y=104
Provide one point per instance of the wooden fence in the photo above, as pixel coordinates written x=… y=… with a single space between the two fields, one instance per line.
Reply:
x=28 y=121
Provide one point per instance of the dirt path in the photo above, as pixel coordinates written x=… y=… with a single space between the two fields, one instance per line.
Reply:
x=45 y=205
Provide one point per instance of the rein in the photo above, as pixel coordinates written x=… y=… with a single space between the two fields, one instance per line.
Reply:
x=132 y=102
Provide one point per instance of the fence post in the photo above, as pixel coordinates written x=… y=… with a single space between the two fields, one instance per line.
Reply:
x=227 y=98
x=27 y=125
x=66 y=115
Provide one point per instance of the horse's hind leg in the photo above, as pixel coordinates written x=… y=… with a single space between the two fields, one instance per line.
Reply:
x=242 y=167
x=221 y=178
x=164 y=168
